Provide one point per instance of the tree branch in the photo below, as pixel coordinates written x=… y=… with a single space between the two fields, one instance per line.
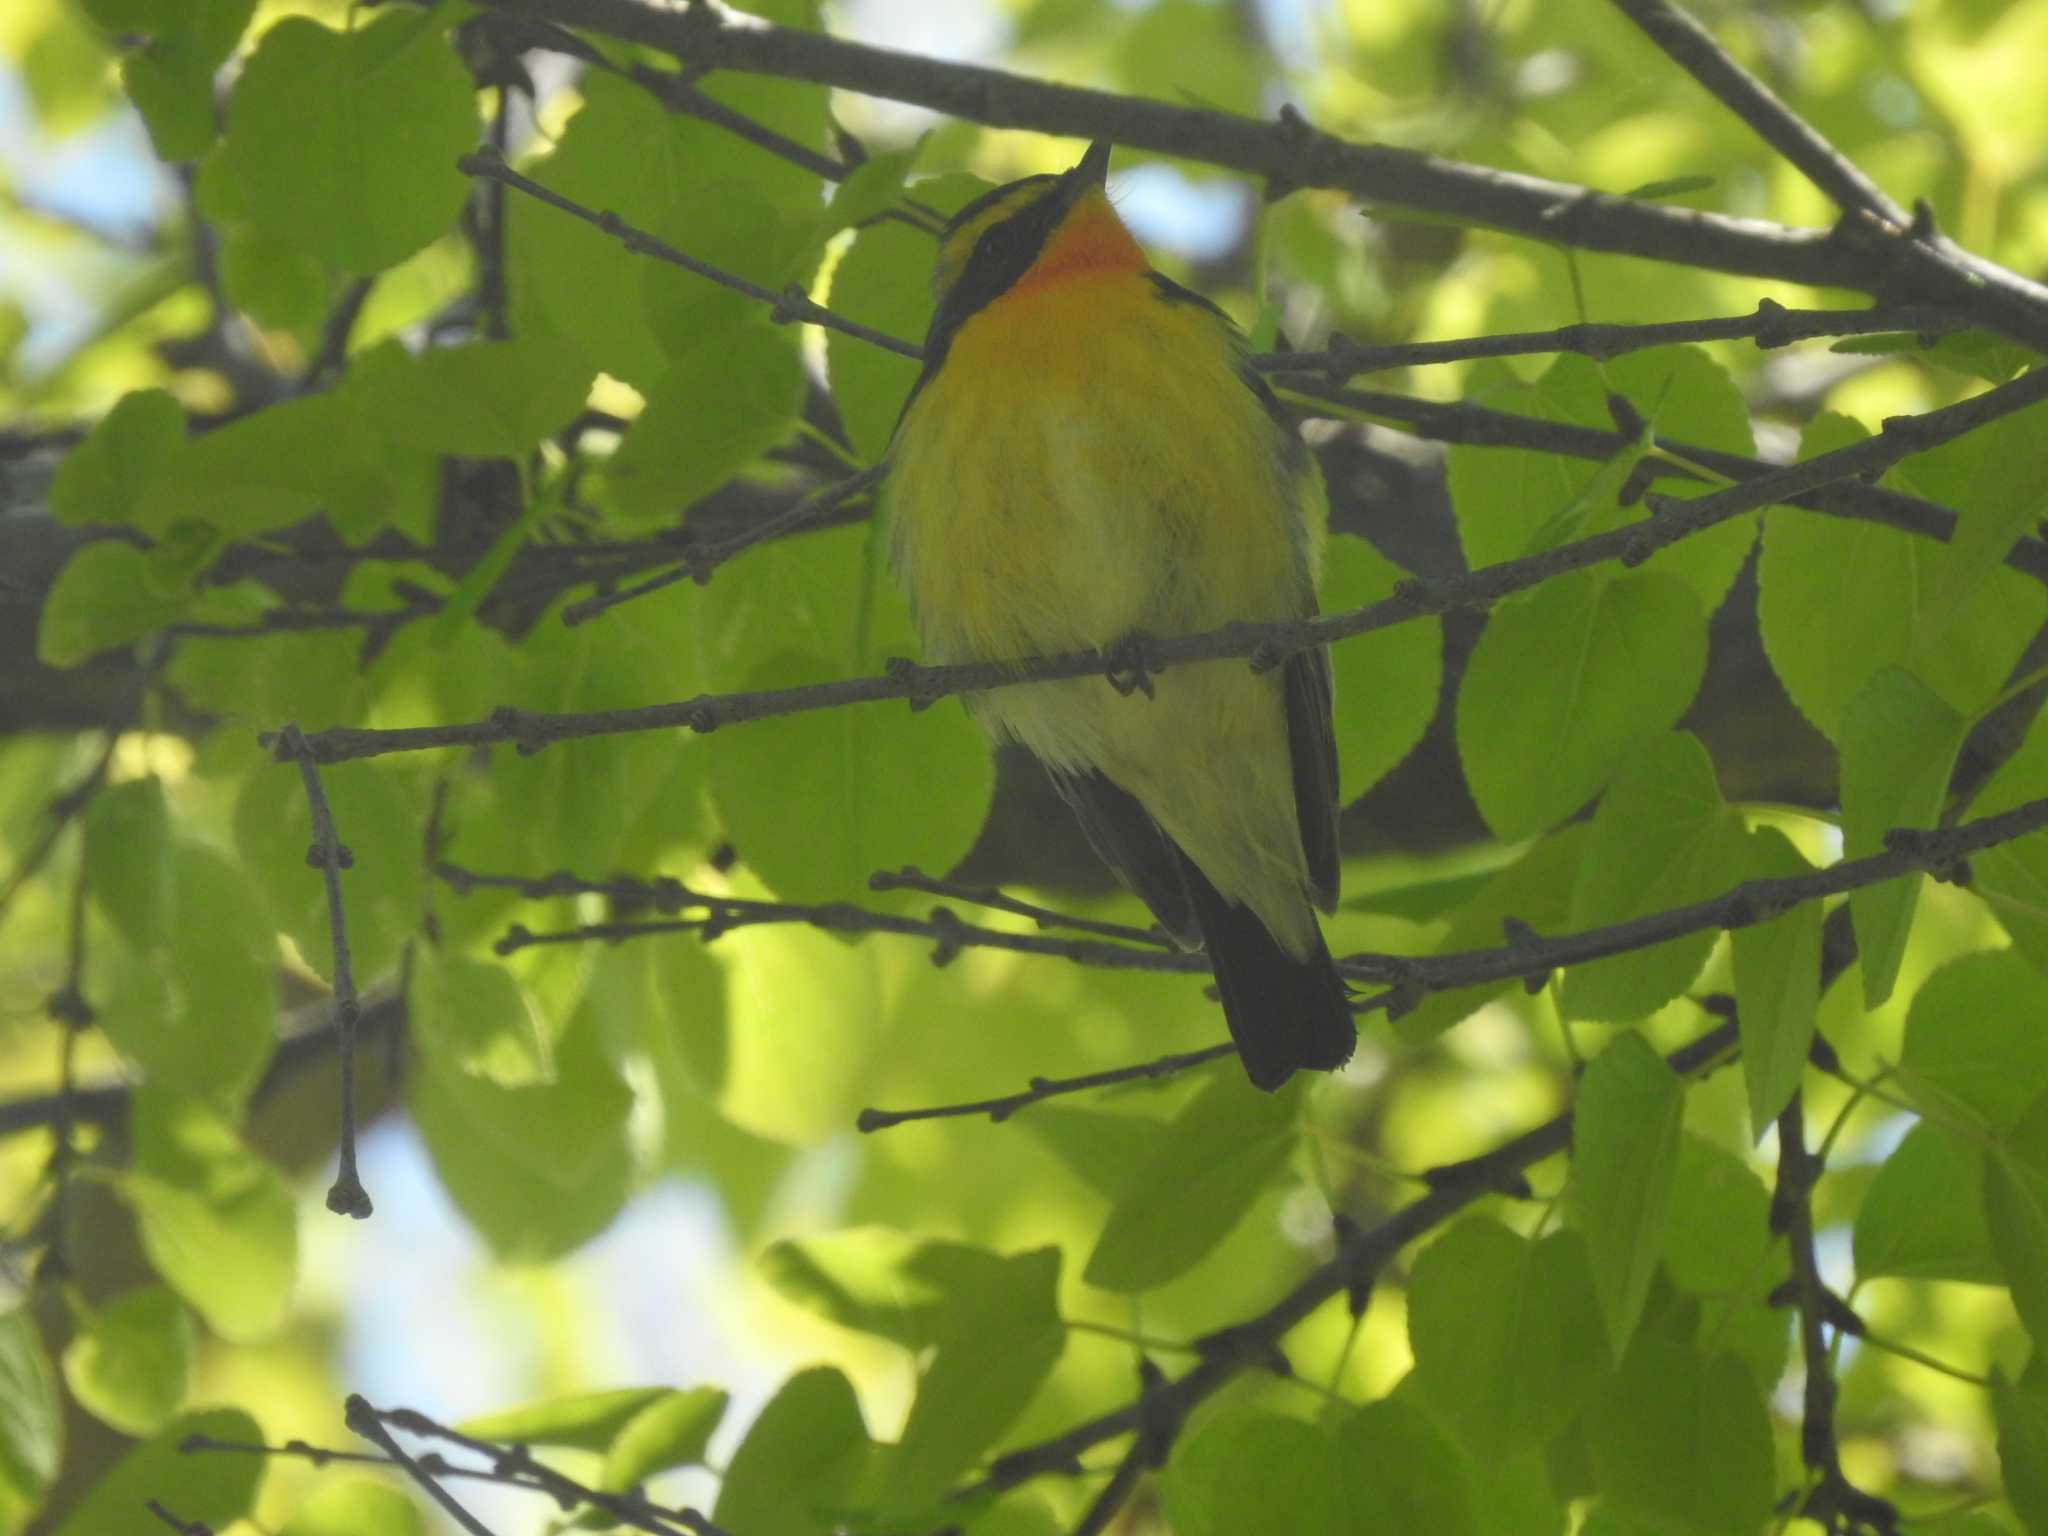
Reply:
x=1289 y=153
x=346 y=1196
x=1360 y=1256
x=1266 y=645
x=1834 y=1502
x=1408 y=979
x=1694 y=50
x=790 y=303
x=1769 y=325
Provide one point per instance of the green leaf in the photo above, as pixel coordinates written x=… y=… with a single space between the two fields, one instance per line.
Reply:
x=107 y=477
x=1535 y=890
x=1923 y=1217
x=1198 y=1181
x=382 y=891
x=2016 y=1212
x=863 y=1278
x=492 y=399
x=346 y=142
x=817 y=802
x=212 y=1491
x=1189 y=52
x=216 y=1221
x=797 y=1462
x=1661 y=838
x=128 y=858
x=1671 y=186
x=1625 y=1127
x=1508 y=501
x=199 y=1010
x=537 y=1170
x=1899 y=745
x=1506 y=1334
x=1874 y=586
x=471 y=1017
x=105 y=596
x=272 y=282
x=170 y=80
x=1104 y=1150
x=1244 y=1468
x=723 y=402
x=1976 y=354
x=799 y=995
x=1717 y=1223
x=994 y=1341
x=2012 y=878
x=129 y=1361
x=1682 y=1441
x=586 y=1421
x=2022 y=1450
x=1971 y=1050
x=871 y=190
x=1777 y=984
x=671 y=1431
x=1992 y=477
x=619 y=152
x=1387 y=682
x=1401 y=1473
x=1564 y=681
x=683 y=1015
x=31 y=1421
x=282 y=464
x=355 y=1506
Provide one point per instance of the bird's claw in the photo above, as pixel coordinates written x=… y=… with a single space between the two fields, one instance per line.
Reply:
x=1130 y=665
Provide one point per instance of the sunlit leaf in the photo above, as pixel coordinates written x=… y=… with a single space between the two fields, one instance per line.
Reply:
x=130 y=1359
x=1625 y=1127
x=1563 y=682
x=1899 y=743
x=1506 y=1332
x=347 y=141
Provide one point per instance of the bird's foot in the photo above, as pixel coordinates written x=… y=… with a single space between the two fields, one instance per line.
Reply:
x=1130 y=664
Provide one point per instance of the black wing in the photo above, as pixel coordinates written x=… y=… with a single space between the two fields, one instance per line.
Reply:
x=1312 y=743
x=1131 y=843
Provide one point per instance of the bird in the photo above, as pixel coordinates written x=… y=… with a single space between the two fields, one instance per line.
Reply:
x=1087 y=459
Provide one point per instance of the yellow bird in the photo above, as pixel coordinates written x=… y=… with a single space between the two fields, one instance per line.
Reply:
x=1088 y=458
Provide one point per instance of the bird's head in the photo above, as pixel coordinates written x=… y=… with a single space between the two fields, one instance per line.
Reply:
x=1031 y=231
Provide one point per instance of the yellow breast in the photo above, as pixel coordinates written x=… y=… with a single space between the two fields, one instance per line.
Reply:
x=1087 y=463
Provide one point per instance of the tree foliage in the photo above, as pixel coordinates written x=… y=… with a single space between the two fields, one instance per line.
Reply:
x=454 y=675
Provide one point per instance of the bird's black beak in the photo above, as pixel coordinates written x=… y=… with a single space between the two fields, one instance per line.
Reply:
x=1094 y=167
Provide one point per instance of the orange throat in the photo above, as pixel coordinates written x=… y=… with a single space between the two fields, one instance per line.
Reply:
x=1091 y=242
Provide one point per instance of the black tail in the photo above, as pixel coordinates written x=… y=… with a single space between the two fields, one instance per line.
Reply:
x=1283 y=1013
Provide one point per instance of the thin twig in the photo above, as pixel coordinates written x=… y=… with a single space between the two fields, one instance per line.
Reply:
x=104 y=1103
x=1694 y=50
x=1360 y=1256
x=1042 y=1088
x=1769 y=325
x=63 y=808
x=182 y=1527
x=1290 y=153
x=700 y=560
x=1482 y=426
x=1408 y=979
x=1267 y=645
x=346 y=1196
x=909 y=879
x=369 y=1423
x=1834 y=1502
x=515 y=1464
x=789 y=304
